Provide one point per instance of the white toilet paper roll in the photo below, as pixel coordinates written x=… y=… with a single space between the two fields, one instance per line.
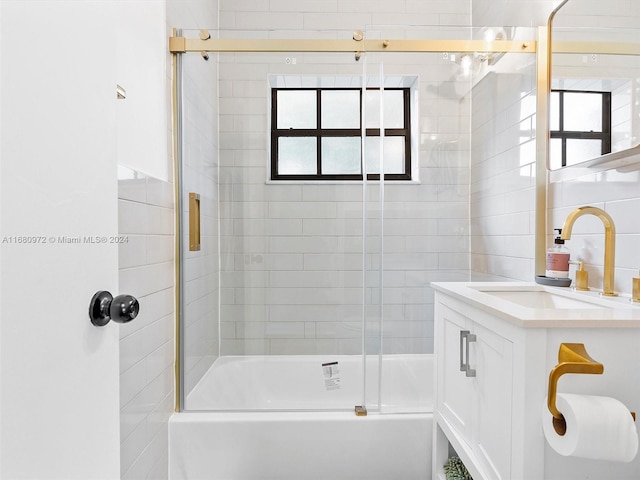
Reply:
x=599 y=428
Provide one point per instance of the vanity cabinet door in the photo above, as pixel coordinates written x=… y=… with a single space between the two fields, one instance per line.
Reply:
x=475 y=390
x=455 y=389
x=492 y=358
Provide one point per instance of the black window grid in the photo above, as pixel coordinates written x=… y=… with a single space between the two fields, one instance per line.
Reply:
x=320 y=133
x=604 y=136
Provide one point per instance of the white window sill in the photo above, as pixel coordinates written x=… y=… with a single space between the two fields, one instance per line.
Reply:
x=340 y=182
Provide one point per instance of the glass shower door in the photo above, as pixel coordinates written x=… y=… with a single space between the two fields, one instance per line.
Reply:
x=373 y=164
x=272 y=303
x=415 y=117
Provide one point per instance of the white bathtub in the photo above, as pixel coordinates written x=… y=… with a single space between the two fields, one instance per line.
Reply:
x=277 y=440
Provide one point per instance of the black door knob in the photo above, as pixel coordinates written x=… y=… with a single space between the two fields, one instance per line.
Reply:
x=104 y=307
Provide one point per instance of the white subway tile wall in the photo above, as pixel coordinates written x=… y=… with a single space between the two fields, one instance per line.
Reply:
x=618 y=14
x=147 y=344
x=524 y=13
x=291 y=254
x=503 y=173
x=617 y=193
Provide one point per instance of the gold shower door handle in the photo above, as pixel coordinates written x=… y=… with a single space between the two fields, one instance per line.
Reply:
x=194 y=222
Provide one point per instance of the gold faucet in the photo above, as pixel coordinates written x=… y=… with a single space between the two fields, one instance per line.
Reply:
x=609 y=242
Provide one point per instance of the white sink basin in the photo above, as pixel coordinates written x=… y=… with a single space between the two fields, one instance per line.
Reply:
x=541 y=299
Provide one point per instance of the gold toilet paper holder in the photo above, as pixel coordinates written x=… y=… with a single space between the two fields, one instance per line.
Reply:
x=572 y=358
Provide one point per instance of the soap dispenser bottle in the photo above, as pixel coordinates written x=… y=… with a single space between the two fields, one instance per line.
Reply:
x=558 y=258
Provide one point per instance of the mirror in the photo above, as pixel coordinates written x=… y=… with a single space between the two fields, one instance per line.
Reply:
x=594 y=104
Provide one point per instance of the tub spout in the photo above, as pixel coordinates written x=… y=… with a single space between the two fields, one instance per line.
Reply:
x=609 y=242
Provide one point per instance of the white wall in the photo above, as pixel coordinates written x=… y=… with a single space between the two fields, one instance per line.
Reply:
x=141 y=71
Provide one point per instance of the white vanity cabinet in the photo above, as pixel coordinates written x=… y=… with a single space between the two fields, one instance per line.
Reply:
x=474 y=385
x=493 y=357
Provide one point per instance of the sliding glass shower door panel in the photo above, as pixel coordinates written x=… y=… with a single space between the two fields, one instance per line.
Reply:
x=284 y=223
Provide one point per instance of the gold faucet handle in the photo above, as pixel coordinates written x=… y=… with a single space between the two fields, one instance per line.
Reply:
x=582 y=276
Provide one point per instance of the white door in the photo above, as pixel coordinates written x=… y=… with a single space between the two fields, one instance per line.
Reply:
x=59 y=374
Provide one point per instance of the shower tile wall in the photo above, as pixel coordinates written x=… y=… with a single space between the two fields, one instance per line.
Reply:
x=504 y=153
x=346 y=15
x=147 y=344
x=503 y=173
x=616 y=192
x=611 y=14
x=291 y=261
x=522 y=13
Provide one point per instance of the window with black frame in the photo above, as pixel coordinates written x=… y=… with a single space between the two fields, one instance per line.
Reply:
x=580 y=126
x=316 y=133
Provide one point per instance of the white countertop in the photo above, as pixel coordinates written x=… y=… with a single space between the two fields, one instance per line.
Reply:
x=576 y=310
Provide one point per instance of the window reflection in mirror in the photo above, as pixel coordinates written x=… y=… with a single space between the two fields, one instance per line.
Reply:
x=592 y=54
x=580 y=126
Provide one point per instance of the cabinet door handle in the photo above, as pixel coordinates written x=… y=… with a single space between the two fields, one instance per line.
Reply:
x=470 y=372
x=463 y=365
x=465 y=337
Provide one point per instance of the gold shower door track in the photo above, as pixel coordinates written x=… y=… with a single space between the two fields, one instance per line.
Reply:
x=185 y=45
